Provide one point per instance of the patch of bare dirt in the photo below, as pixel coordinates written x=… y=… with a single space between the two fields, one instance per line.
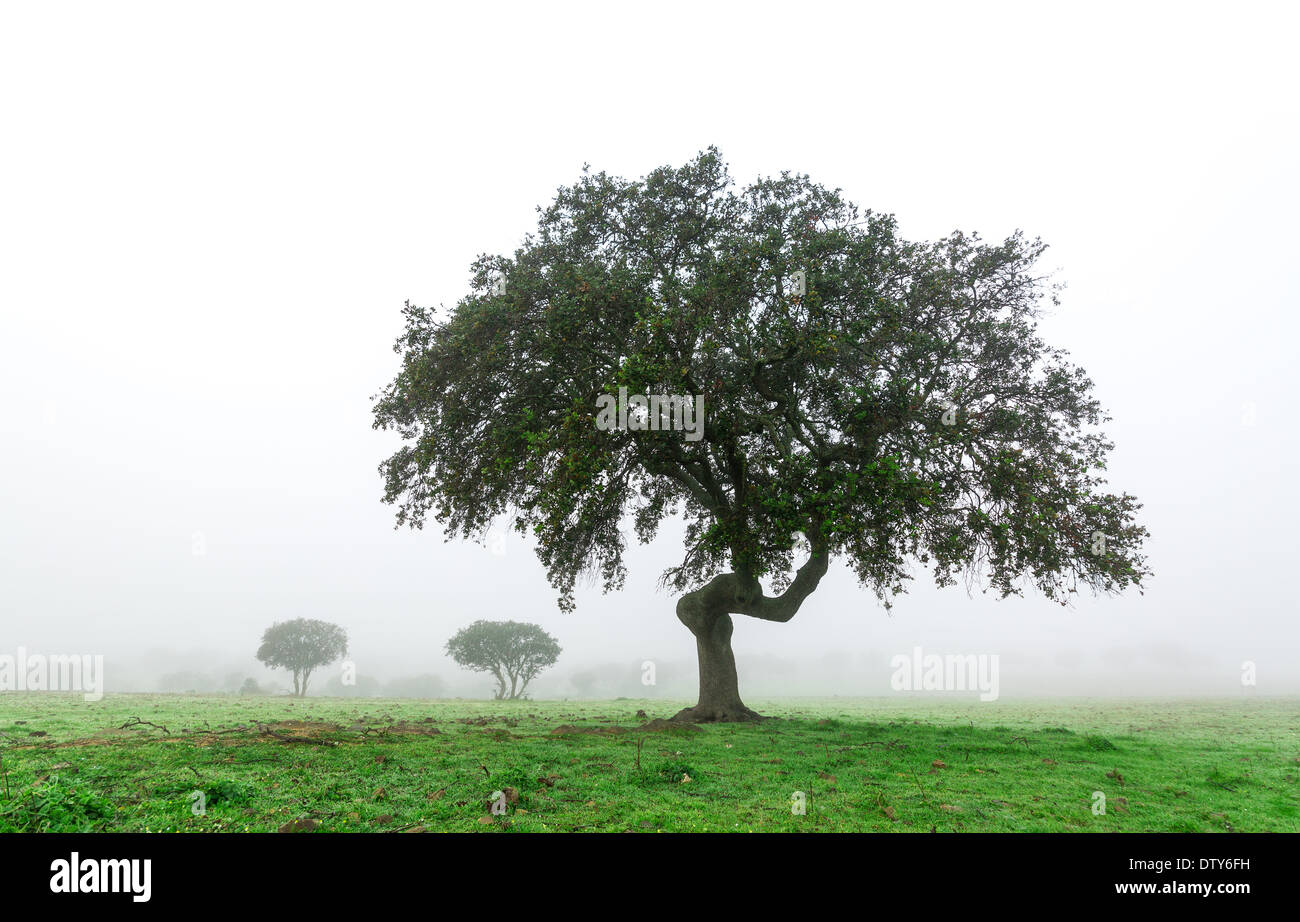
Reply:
x=302 y=825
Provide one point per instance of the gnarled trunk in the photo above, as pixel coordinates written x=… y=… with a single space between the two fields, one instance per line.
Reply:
x=719 y=685
x=707 y=613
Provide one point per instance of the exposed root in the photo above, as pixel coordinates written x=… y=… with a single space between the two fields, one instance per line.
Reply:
x=137 y=722
x=714 y=714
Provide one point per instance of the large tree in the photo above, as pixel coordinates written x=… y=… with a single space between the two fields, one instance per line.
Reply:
x=302 y=645
x=888 y=400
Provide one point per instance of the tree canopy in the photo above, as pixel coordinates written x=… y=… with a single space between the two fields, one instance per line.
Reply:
x=301 y=646
x=891 y=401
x=512 y=652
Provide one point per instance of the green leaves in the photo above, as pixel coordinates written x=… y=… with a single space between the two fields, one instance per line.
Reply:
x=511 y=651
x=59 y=803
x=301 y=645
x=826 y=412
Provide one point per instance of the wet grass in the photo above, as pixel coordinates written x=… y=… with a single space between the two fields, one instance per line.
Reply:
x=150 y=762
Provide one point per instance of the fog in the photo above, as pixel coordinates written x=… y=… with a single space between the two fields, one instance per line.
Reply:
x=209 y=221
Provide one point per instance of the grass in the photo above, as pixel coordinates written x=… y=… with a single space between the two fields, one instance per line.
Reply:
x=135 y=763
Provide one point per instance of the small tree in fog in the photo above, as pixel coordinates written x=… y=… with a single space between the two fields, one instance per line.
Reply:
x=300 y=646
x=513 y=652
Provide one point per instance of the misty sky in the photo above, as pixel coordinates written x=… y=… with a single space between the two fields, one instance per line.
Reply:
x=210 y=218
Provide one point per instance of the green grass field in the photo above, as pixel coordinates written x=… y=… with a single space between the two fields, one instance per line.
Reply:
x=133 y=763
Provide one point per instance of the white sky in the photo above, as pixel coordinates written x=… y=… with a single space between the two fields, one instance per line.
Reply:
x=210 y=216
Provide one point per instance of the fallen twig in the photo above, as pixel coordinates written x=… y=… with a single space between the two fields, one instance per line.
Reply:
x=137 y=722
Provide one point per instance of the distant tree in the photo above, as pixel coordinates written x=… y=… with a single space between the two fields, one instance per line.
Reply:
x=513 y=652
x=302 y=645
x=250 y=687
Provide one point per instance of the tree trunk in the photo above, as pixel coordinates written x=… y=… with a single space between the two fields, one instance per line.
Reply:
x=719 y=699
x=707 y=613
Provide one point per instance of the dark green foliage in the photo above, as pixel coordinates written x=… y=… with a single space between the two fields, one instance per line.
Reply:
x=901 y=410
x=221 y=791
x=59 y=803
x=667 y=773
x=301 y=646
